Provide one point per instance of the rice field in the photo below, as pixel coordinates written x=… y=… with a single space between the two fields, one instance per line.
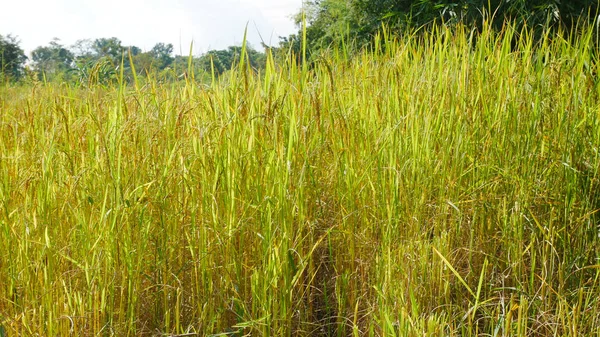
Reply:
x=436 y=184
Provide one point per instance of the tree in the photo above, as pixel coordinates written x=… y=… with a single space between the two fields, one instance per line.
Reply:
x=110 y=48
x=97 y=62
x=82 y=49
x=134 y=50
x=12 y=58
x=144 y=63
x=53 y=61
x=161 y=53
x=223 y=60
x=331 y=21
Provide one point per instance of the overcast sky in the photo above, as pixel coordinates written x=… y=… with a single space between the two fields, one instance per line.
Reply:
x=211 y=24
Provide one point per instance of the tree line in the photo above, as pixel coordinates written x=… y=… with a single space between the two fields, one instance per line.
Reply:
x=326 y=23
x=331 y=22
x=100 y=60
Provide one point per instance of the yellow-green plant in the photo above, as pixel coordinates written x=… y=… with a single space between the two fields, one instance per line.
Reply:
x=437 y=184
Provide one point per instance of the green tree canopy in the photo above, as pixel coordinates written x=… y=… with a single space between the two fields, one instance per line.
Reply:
x=53 y=61
x=12 y=57
x=330 y=21
x=108 y=47
x=535 y=12
x=223 y=60
x=161 y=53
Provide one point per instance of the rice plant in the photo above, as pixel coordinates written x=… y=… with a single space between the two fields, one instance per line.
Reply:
x=440 y=183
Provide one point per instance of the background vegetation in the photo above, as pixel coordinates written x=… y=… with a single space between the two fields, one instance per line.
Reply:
x=328 y=23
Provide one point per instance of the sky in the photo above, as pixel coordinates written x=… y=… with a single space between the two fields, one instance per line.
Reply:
x=210 y=24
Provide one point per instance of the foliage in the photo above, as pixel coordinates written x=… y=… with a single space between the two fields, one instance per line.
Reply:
x=162 y=54
x=223 y=60
x=108 y=48
x=12 y=58
x=93 y=62
x=91 y=72
x=53 y=62
x=98 y=61
x=332 y=21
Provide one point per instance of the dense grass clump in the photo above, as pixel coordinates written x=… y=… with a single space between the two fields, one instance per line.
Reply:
x=445 y=185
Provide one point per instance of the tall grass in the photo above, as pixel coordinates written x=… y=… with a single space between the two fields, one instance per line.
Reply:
x=443 y=184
